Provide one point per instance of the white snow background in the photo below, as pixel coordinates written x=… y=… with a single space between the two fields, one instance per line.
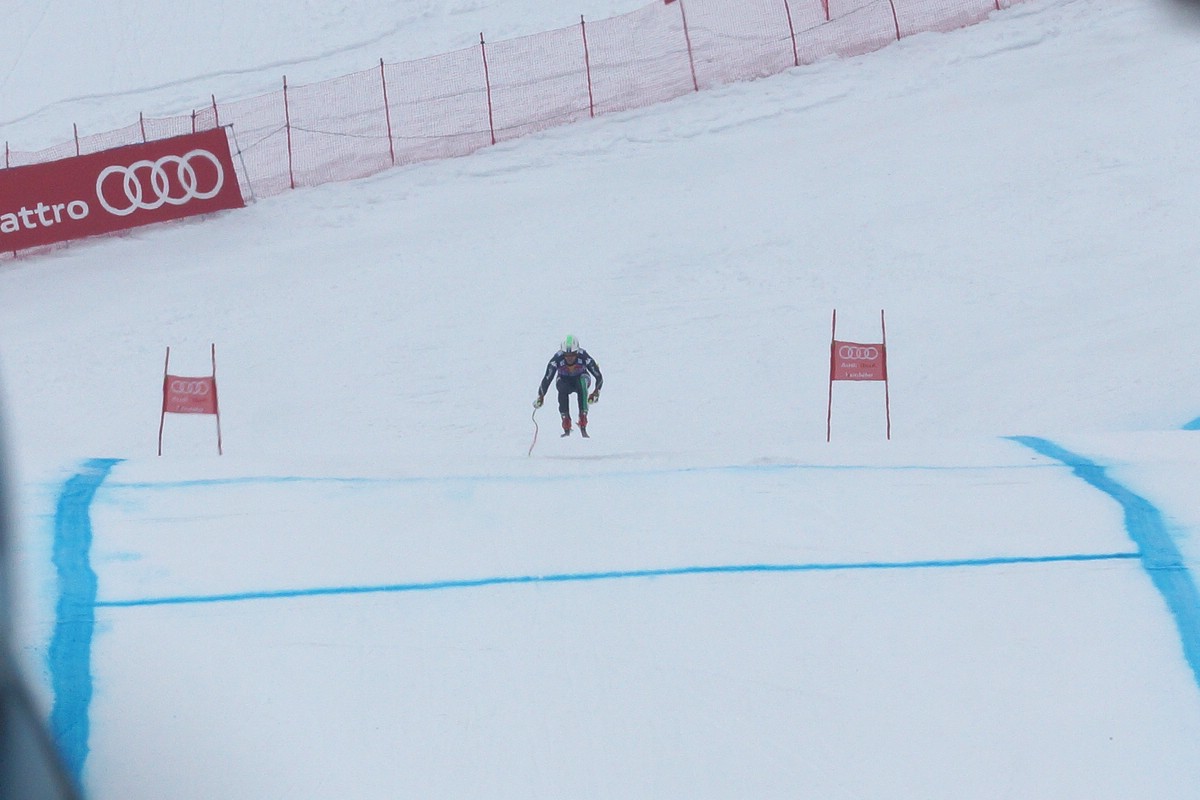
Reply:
x=377 y=592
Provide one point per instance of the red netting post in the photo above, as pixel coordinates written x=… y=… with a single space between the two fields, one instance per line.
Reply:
x=825 y=5
x=14 y=252
x=75 y=128
x=587 y=65
x=142 y=125
x=688 y=38
x=6 y=165
x=487 y=79
x=287 y=124
x=895 y=19
x=387 y=113
x=997 y=5
x=193 y=120
x=216 y=116
x=792 y=33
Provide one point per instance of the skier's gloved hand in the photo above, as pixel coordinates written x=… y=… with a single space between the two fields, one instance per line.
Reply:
x=538 y=403
x=594 y=397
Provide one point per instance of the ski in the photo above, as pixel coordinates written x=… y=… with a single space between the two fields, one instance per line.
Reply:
x=564 y=434
x=583 y=432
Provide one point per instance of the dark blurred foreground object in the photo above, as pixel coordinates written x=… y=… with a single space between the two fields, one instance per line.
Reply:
x=29 y=765
x=1184 y=11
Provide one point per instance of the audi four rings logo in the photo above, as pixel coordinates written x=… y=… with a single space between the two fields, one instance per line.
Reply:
x=858 y=353
x=197 y=388
x=185 y=187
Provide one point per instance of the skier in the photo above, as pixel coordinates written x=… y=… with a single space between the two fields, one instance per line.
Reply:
x=572 y=365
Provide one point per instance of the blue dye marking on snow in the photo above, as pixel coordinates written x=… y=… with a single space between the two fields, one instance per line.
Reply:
x=71 y=645
x=569 y=577
x=626 y=474
x=1194 y=425
x=1159 y=555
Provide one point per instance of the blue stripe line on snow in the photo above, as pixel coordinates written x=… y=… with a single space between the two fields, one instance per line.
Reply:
x=1194 y=425
x=1158 y=553
x=427 y=479
x=611 y=575
x=71 y=645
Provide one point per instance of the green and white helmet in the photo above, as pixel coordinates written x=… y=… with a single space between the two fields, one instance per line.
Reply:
x=571 y=344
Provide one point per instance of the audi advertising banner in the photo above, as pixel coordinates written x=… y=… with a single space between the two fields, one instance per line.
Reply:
x=117 y=189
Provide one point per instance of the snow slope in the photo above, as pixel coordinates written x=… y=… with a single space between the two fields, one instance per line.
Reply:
x=376 y=592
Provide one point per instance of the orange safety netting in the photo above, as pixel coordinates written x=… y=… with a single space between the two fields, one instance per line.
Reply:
x=455 y=103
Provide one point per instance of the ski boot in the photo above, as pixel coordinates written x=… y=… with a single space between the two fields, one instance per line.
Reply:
x=566 y=422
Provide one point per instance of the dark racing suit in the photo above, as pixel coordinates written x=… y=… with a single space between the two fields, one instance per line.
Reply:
x=572 y=379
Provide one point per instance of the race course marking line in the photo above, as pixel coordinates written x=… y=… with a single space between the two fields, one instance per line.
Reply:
x=70 y=649
x=70 y=657
x=568 y=577
x=1157 y=551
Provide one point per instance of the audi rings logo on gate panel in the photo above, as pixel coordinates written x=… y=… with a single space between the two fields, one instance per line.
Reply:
x=197 y=388
x=858 y=352
x=171 y=180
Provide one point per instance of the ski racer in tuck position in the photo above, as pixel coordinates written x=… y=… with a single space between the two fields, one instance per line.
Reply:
x=574 y=369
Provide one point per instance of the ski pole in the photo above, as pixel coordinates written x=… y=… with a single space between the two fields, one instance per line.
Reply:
x=533 y=417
